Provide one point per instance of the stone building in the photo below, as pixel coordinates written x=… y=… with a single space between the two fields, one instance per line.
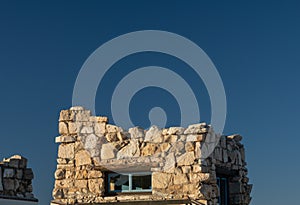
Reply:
x=16 y=182
x=100 y=163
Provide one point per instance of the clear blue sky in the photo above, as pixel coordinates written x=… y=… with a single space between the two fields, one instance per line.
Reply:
x=255 y=46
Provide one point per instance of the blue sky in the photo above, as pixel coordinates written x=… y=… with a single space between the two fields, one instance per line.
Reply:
x=254 y=45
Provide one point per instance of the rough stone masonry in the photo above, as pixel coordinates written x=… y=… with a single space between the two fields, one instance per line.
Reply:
x=16 y=179
x=181 y=166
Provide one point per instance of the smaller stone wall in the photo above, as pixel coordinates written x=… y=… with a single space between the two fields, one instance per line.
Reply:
x=16 y=179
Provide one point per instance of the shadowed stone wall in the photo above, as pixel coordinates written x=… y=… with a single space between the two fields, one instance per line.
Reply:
x=184 y=162
x=16 y=179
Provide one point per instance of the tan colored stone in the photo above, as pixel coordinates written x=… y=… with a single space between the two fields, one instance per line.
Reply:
x=112 y=128
x=108 y=151
x=154 y=134
x=149 y=149
x=96 y=186
x=131 y=150
x=94 y=174
x=180 y=179
x=66 y=115
x=187 y=158
x=161 y=180
x=189 y=146
x=81 y=183
x=82 y=158
x=171 y=138
x=111 y=137
x=73 y=128
x=100 y=128
x=164 y=147
x=60 y=174
x=195 y=138
x=63 y=128
x=66 y=151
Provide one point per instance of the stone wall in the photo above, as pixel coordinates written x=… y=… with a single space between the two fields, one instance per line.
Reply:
x=184 y=162
x=16 y=179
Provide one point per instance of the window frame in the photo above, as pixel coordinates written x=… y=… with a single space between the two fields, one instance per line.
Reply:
x=225 y=179
x=130 y=182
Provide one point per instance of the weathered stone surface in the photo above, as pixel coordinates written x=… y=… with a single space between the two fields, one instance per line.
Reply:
x=187 y=158
x=94 y=174
x=149 y=149
x=112 y=128
x=183 y=161
x=195 y=137
x=100 y=128
x=65 y=139
x=196 y=129
x=9 y=184
x=63 y=128
x=28 y=174
x=60 y=174
x=235 y=137
x=8 y=173
x=136 y=132
x=92 y=145
x=108 y=151
x=66 y=151
x=170 y=163
x=131 y=150
x=175 y=131
x=180 y=179
x=82 y=158
x=161 y=180
x=96 y=186
x=154 y=134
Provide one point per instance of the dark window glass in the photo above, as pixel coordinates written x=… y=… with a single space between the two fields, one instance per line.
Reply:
x=223 y=190
x=129 y=182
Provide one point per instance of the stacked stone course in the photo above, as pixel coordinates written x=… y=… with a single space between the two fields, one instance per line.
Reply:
x=184 y=161
x=16 y=179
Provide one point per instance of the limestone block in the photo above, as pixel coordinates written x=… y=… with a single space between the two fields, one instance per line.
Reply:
x=65 y=139
x=108 y=151
x=164 y=147
x=175 y=130
x=82 y=158
x=177 y=147
x=199 y=177
x=187 y=158
x=94 y=174
x=9 y=184
x=73 y=127
x=169 y=163
x=196 y=129
x=131 y=150
x=195 y=137
x=66 y=151
x=81 y=174
x=92 y=145
x=161 y=180
x=111 y=137
x=170 y=138
x=136 y=132
x=100 y=128
x=28 y=174
x=189 y=146
x=87 y=130
x=81 y=183
x=149 y=149
x=96 y=186
x=63 y=128
x=154 y=134
x=82 y=115
x=180 y=179
x=112 y=128
x=8 y=173
x=66 y=115
x=60 y=174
